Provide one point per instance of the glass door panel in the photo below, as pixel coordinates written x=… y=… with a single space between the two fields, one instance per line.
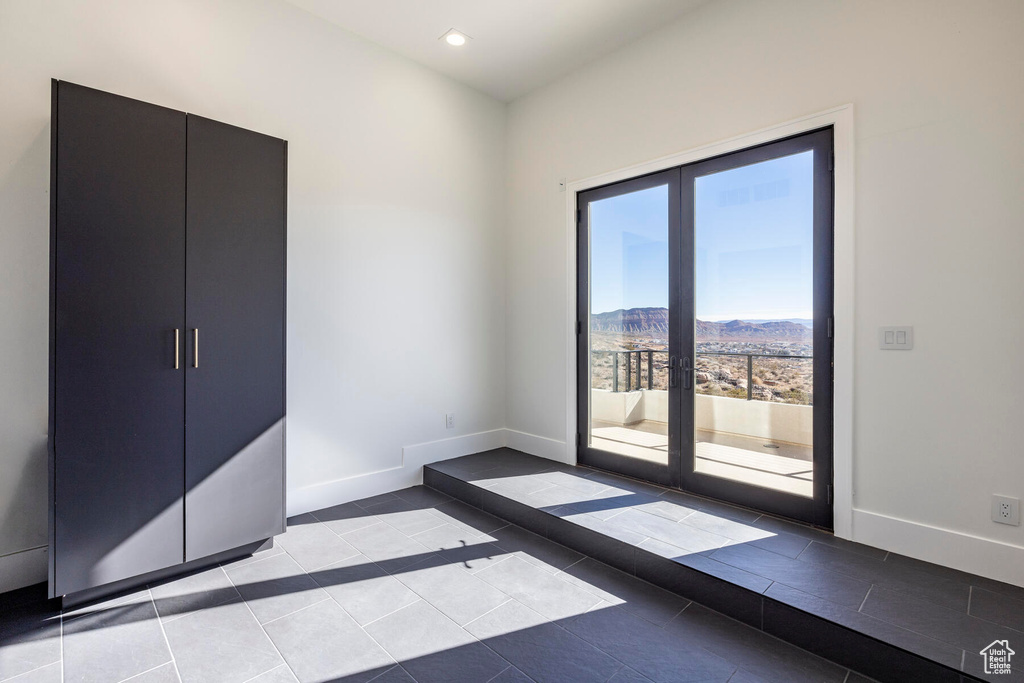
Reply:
x=625 y=336
x=757 y=410
x=754 y=291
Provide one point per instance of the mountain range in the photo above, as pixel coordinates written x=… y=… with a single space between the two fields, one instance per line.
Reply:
x=654 y=321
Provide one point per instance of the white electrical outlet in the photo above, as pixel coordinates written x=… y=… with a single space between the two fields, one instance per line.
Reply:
x=449 y=421
x=1006 y=510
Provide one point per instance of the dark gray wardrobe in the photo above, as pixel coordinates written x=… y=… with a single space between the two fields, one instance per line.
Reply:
x=167 y=341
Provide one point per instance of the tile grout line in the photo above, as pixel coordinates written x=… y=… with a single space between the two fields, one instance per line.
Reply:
x=363 y=626
x=440 y=521
x=617 y=672
x=143 y=673
x=559 y=625
x=397 y=665
x=736 y=667
x=253 y=614
x=443 y=523
x=505 y=554
x=461 y=628
x=384 y=573
x=970 y=595
x=342 y=536
x=772 y=637
x=510 y=599
x=362 y=528
x=170 y=618
x=574 y=563
x=904 y=581
x=253 y=561
x=363 y=507
x=62 y=645
x=974 y=616
x=591 y=644
x=862 y=602
x=385 y=616
x=323 y=566
x=424 y=599
x=24 y=674
x=167 y=642
x=304 y=607
x=499 y=673
x=583 y=558
x=266 y=672
x=377 y=642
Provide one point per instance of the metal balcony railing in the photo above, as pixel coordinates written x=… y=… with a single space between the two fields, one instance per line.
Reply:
x=635 y=357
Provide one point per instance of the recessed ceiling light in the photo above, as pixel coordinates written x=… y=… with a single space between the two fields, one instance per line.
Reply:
x=454 y=38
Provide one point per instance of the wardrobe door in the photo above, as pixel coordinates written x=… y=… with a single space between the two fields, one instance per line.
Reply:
x=118 y=293
x=234 y=464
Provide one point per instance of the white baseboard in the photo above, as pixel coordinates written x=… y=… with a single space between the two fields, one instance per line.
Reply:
x=409 y=473
x=22 y=568
x=540 y=446
x=982 y=556
x=425 y=453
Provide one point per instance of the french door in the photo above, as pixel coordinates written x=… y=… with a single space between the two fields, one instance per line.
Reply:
x=705 y=327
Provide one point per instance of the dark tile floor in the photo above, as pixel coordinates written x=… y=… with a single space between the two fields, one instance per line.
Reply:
x=939 y=614
x=410 y=586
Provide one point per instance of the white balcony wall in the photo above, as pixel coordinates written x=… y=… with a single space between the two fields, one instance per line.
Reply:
x=776 y=422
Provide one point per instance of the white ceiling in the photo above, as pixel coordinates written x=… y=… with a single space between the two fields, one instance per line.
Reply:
x=516 y=46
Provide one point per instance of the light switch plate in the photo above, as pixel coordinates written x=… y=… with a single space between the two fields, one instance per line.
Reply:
x=896 y=338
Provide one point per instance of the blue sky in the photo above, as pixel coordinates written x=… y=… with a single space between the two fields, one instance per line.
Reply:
x=753 y=244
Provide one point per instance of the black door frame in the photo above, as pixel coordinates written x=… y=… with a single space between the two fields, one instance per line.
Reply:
x=816 y=510
x=681 y=474
x=641 y=469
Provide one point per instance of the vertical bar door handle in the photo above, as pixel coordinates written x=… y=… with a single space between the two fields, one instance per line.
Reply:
x=687 y=371
x=177 y=348
x=195 y=347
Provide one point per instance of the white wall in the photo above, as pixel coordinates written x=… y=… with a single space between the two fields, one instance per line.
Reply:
x=396 y=272
x=939 y=163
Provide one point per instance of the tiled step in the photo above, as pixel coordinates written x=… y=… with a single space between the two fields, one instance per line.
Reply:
x=887 y=616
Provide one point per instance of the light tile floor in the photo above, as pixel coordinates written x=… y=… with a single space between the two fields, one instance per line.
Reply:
x=410 y=586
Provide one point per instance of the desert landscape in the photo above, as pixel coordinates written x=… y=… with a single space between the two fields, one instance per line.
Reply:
x=785 y=376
